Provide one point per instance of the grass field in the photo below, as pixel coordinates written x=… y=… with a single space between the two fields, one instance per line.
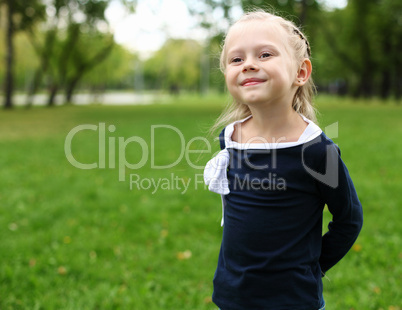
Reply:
x=76 y=238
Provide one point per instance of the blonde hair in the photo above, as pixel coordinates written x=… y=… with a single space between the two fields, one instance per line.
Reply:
x=302 y=101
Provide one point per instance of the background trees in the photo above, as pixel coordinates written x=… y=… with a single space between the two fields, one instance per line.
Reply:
x=359 y=49
x=67 y=48
x=18 y=16
x=59 y=45
x=68 y=37
x=175 y=66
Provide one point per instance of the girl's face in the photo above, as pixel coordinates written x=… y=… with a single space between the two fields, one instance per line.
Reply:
x=259 y=65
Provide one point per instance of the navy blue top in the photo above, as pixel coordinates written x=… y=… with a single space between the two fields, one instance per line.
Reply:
x=273 y=254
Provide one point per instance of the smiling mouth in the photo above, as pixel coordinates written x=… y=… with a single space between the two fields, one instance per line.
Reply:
x=251 y=82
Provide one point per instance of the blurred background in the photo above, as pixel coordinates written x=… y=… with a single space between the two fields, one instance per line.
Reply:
x=145 y=238
x=63 y=48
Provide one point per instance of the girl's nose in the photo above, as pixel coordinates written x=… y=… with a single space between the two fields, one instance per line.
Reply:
x=249 y=65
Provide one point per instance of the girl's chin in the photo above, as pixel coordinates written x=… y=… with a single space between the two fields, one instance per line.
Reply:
x=254 y=100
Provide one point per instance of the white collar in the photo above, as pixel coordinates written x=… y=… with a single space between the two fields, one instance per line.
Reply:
x=311 y=132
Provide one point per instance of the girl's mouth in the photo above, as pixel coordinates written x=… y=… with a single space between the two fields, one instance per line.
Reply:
x=251 y=82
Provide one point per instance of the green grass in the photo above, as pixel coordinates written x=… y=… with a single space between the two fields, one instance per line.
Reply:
x=82 y=239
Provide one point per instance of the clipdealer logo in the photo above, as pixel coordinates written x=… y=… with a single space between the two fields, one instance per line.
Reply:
x=147 y=156
x=107 y=150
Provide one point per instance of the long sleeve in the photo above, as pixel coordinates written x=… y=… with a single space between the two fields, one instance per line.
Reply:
x=344 y=205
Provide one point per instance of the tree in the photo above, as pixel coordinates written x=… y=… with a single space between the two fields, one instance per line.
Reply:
x=68 y=21
x=175 y=66
x=8 y=90
x=118 y=67
x=85 y=57
x=389 y=28
x=19 y=16
x=363 y=47
x=302 y=12
x=66 y=49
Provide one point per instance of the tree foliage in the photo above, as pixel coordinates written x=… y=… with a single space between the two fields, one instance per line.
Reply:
x=175 y=66
x=117 y=71
x=359 y=47
x=66 y=52
x=69 y=37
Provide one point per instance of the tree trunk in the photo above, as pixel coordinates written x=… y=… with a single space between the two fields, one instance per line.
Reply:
x=52 y=95
x=398 y=89
x=397 y=85
x=366 y=85
x=8 y=88
x=385 y=84
x=44 y=56
x=303 y=13
x=33 y=87
x=70 y=89
x=81 y=70
x=386 y=72
x=367 y=62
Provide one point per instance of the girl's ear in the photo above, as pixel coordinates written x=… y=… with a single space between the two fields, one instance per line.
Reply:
x=304 y=72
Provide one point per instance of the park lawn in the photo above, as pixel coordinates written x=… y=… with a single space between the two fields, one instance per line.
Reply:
x=87 y=239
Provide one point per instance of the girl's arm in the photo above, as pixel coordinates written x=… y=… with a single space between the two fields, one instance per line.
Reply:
x=346 y=210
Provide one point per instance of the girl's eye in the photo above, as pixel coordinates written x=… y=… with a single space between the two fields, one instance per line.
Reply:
x=236 y=59
x=265 y=55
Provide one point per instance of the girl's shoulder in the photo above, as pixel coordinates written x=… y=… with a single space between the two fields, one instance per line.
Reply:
x=225 y=136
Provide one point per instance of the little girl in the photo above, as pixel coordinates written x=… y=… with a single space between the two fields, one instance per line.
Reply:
x=275 y=173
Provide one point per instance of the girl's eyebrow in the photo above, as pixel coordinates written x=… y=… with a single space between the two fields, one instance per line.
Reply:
x=269 y=47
